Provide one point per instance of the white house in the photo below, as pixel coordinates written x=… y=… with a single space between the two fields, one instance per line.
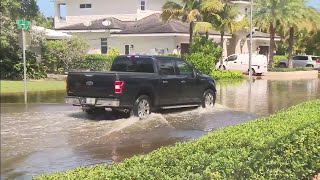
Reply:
x=135 y=27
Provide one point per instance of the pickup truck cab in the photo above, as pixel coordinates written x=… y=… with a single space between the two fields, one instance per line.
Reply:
x=140 y=84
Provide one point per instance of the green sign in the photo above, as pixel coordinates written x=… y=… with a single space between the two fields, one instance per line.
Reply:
x=23 y=24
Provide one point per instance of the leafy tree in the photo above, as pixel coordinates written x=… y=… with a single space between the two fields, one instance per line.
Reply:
x=10 y=52
x=63 y=54
x=299 y=17
x=268 y=14
x=225 y=20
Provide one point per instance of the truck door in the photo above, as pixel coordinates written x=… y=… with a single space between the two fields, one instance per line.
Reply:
x=188 y=83
x=168 y=82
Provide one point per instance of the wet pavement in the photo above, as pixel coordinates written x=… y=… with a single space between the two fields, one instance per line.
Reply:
x=47 y=135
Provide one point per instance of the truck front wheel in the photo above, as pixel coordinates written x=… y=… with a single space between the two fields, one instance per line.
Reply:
x=208 y=98
x=142 y=106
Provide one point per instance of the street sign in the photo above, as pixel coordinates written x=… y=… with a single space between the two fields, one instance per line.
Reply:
x=23 y=24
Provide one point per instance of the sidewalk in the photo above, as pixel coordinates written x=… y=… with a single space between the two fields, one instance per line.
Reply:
x=296 y=75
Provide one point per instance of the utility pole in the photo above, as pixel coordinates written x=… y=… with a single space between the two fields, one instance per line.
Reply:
x=250 y=47
x=24 y=25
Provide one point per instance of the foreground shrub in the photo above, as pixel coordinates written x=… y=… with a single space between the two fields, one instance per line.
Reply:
x=291 y=69
x=226 y=74
x=282 y=146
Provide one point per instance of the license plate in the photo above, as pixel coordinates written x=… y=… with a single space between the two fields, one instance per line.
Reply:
x=91 y=101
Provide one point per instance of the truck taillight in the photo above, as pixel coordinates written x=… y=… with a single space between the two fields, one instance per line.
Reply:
x=118 y=87
x=318 y=61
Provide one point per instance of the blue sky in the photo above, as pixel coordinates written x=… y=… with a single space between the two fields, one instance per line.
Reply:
x=46 y=6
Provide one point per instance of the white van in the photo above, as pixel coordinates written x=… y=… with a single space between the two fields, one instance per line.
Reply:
x=241 y=62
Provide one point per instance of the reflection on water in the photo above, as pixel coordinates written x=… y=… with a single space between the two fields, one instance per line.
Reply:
x=47 y=136
x=265 y=96
x=35 y=97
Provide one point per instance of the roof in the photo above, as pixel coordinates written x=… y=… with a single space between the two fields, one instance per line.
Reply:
x=148 y=25
x=51 y=34
x=97 y=24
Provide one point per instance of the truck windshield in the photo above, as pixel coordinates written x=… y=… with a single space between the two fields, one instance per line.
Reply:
x=125 y=64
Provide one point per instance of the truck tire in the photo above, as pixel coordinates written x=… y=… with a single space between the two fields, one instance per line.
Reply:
x=208 y=99
x=141 y=106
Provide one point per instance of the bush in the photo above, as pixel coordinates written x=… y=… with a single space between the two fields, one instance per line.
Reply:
x=95 y=62
x=282 y=146
x=204 y=54
x=64 y=53
x=13 y=68
x=201 y=62
x=291 y=69
x=278 y=58
x=227 y=74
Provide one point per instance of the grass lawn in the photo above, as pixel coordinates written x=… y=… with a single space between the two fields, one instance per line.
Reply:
x=32 y=86
x=282 y=146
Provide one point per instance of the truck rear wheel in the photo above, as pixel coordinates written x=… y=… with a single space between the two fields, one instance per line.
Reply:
x=142 y=106
x=208 y=98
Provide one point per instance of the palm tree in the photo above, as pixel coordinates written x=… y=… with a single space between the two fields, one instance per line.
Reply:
x=268 y=14
x=223 y=21
x=299 y=17
x=187 y=11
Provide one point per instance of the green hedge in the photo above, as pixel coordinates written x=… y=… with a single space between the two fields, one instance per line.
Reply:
x=282 y=146
x=226 y=74
x=95 y=62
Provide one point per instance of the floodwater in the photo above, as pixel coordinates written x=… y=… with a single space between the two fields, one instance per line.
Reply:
x=47 y=136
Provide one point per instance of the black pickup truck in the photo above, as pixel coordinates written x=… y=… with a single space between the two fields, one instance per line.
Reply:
x=140 y=84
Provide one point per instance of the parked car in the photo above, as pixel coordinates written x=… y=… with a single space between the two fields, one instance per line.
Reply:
x=302 y=61
x=241 y=62
x=141 y=84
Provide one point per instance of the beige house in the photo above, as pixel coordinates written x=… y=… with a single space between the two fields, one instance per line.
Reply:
x=135 y=27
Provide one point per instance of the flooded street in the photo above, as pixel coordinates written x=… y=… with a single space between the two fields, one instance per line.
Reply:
x=47 y=135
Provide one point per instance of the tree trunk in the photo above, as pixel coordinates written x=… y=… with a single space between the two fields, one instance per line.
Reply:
x=290 y=48
x=272 y=45
x=221 y=45
x=191 y=32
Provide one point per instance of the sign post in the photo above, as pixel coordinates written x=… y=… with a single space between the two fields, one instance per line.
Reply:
x=24 y=25
x=250 y=47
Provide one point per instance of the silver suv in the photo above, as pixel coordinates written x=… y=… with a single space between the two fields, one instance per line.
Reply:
x=302 y=61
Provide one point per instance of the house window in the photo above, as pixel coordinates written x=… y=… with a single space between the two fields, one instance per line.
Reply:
x=104 y=45
x=143 y=5
x=85 y=6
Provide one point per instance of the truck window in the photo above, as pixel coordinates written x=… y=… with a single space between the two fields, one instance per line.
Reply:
x=166 y=66
x=184 y=69
x=125 y=64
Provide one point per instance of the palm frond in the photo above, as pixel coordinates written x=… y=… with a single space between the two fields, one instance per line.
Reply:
x=212 y=5
x=202 y=27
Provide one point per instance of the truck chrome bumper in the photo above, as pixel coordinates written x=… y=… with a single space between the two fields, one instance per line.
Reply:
x=98 y=102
